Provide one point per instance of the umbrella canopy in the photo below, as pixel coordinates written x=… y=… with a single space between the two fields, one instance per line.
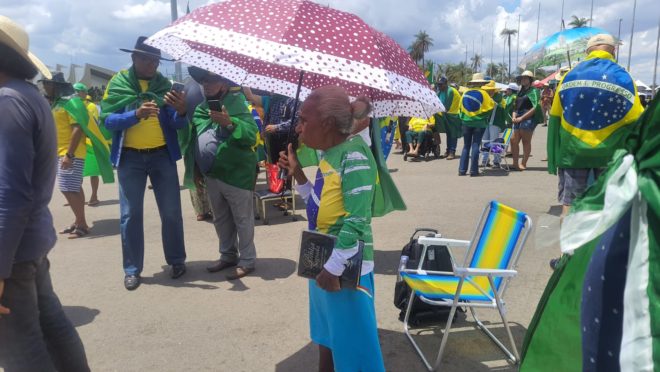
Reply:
x=264 y=44
x=553 y=50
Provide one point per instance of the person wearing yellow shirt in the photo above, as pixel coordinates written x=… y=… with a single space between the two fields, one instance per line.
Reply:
x=91 y=169
x=418 y=128
x=70 y=149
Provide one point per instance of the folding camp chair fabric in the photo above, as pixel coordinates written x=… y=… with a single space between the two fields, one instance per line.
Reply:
x=497 y=241
x=436 y=287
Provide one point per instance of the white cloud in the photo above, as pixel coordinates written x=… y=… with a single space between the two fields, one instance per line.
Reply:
x=63 y=31
x=152 y=9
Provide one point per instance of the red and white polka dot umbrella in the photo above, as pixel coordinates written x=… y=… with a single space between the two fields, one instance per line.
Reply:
x=264 y=44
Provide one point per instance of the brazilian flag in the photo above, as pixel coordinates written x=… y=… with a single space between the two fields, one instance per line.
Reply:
x=75 y=106
x=601 y=308
x=592 y=112
x=476 y=108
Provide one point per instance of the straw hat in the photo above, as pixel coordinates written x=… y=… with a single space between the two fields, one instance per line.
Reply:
x=15 y=37
x=489 y=86
x=601 y=39
x=478 y=78
x=527 y=73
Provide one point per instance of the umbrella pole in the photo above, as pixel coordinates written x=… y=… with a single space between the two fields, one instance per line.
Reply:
x=291 y=136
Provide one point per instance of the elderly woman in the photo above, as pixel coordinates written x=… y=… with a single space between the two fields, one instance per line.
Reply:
x=527 y=114
x=342 y=321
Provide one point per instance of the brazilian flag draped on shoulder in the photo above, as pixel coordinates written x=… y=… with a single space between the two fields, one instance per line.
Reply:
x=386 y=195
x=595 y=104
x=449 y=121
x=76 y=107
x=124 y=92
x=601 y=308
x=476 y=108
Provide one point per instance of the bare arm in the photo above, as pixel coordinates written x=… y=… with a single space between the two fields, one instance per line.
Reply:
x=253 y=98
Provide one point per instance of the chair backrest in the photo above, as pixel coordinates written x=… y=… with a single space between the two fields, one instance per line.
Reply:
x=498 y=243
x=506 y=136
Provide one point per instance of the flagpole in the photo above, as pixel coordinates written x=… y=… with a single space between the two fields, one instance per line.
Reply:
x=618 y=41
x=518 y=41
x=591 y=15
x=492 y=43
x=538 y=22
x=177 y=65
x=655 y=68
x=632 y=32
x=561 y=27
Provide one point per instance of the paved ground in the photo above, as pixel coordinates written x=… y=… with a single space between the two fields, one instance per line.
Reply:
x=203 y=322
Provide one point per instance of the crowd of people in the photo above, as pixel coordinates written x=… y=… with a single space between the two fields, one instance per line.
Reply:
x=144 y=125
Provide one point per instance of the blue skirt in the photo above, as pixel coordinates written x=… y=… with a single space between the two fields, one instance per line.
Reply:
x=345 y=322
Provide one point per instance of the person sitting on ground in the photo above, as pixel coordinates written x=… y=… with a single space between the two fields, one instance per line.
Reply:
x=419 y=129
x=342 y=321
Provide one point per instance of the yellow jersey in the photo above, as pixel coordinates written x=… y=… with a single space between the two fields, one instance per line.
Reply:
x=147 y=133
x=64 y=123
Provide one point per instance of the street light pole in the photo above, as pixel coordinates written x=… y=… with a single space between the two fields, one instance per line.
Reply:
x=632 y=32
x=655 y=65
x=618 y=41
x=538 y=21
x=591 y=15
x=177 y=65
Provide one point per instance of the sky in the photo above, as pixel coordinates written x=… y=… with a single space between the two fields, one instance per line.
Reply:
x=75 y=31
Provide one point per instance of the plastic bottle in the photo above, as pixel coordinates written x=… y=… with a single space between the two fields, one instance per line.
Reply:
x=402 y=266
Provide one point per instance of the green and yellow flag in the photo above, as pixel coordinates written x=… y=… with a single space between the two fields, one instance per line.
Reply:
x=75 y=106
x=476 y=106
x=591 y=113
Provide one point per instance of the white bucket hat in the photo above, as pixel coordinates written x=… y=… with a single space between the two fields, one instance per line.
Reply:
x=513 y=86
x=15 y=37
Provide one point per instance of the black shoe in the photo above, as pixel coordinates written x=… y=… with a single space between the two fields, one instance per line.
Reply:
x=178 y=270
x=474 y=174
x=553 y=263
x=461 y=173
x=131 y=282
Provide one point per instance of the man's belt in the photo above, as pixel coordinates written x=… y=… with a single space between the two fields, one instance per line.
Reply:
x=145 y=151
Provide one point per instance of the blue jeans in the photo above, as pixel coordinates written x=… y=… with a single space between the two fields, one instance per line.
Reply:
x=452 y=142
x=471 y=142
x=132 y=172
x=37 y=335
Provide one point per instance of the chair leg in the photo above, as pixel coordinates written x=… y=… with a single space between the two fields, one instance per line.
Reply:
x=406 y=330
x=514 y=357
x=450 y=320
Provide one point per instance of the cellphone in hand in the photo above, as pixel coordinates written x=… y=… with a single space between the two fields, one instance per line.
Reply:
x=215 y=105
x=177 y=87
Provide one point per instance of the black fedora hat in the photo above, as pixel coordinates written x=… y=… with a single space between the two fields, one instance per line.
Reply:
x=141 y=47
x=198 y=74
x=58 y=78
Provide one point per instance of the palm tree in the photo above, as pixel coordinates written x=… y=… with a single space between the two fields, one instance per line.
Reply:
x=493 y=69
x=578 y=22
x=476 y=62
x=423 y=42
x=506 y=34
x=503 y=70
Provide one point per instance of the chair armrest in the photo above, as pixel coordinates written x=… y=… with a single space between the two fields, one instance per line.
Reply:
x=427 y=272
x=467 y=271
x=425 y=240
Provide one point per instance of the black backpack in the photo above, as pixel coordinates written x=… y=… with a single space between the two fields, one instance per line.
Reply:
x=438 y=258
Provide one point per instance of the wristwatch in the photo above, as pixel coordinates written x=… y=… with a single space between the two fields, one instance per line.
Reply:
x=69 y=155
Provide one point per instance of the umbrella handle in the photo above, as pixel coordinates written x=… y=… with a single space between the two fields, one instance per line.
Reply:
x=284 y=174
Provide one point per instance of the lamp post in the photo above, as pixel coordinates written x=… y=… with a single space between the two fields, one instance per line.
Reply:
x=618 y=41
x=632 y=33
x=177 y=65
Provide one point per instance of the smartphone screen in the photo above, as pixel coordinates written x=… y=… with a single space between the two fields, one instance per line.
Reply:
x=177 y=87
x=215 y=105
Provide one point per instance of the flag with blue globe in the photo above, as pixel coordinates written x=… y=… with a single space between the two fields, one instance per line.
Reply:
x=591 y=113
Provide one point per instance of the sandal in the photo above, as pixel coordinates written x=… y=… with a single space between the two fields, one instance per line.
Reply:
x=79 y=232
x=93 y=203
x=68 y=230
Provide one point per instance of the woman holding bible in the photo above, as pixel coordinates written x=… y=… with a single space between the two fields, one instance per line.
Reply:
x=342 y=321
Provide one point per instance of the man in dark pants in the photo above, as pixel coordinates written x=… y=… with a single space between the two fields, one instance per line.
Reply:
x=35 y=334
x=144 y=114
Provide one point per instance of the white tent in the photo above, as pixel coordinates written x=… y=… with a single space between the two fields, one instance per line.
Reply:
x=642 y=88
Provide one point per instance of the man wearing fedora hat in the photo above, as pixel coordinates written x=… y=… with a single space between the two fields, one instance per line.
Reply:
x=145 y=114
x=35 y=334
x=224 y=154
